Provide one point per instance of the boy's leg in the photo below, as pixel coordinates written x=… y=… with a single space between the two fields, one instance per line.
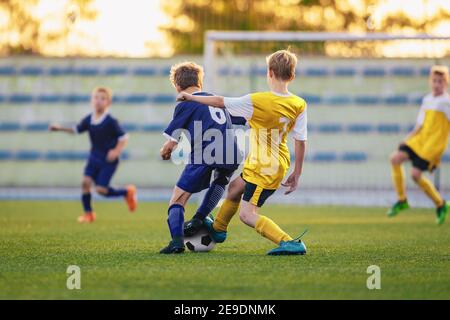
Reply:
x=427 y=187
x=398 y=178
x=214 y=193
x=103 y=187
x=398 y=175
x=263 y=225
x=230 y=205
x=254 y=197
x=90 y=172
x=175 y=221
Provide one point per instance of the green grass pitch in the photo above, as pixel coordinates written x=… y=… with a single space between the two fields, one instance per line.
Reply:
x=119 y=260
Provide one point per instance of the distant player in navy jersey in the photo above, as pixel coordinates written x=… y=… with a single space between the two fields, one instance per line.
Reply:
x=108 y=139
x=214 y=153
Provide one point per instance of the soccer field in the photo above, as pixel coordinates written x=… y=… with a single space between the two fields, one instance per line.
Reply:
x=118 y=255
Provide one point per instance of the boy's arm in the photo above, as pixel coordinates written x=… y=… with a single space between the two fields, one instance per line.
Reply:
x=237 y=107
x=57 y=127
x=300 y=133
x=292 y=181
x=167 y=149
x=213 y=101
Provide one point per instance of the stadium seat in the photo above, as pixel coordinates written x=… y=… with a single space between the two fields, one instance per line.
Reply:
x=6 y=155
x=165 y=71
x=316 y=72
x=359 y=128
x=27 y=155
x=402 y=71
x=374 y=72
x=163 y=98
x=354 y=157
x=398 y=99
x=49 y=98
x=144 y=71
x=337 y=100
x=31 y=71
x=324 y=157
x=136 y=99
x=7 y=71
x=367 y=100
x=153 y=127
x=344 y=72
x=20 y=98
x=130 y=127
x=446 y=157
x=9 y=126
x=61 y=71
x=115 y=71
x=330 y=128
x=76 y=98
x=311 y=99
x=36 y=126
x=87 y=71
x=389 y=128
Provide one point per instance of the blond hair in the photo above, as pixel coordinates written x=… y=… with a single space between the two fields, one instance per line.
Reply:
x=186 y=74
x=282 y=63
x=104 y=90
x=441 y=70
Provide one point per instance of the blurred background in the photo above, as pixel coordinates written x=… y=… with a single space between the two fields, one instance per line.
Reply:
x=363 y=96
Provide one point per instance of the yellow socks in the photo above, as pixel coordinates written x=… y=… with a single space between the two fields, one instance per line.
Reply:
x=398 y=178
x=226 y=212
x=430 y=191
x=270 y=230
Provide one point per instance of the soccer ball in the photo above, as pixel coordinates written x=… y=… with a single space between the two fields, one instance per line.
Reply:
x=200 y=242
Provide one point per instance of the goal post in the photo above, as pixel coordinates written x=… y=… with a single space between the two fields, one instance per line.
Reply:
x=363 y=91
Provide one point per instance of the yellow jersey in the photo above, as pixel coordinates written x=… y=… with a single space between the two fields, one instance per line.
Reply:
x=434 y=121
x=271 y=116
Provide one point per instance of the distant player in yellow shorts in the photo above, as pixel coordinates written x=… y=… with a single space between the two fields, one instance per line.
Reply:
x=271 y=116
x=425 y=145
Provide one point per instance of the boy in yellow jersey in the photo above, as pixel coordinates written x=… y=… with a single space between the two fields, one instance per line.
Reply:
x=425 y=145
x=271 y=116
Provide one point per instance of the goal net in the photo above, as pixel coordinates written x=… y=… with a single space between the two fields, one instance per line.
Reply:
x=363 y=94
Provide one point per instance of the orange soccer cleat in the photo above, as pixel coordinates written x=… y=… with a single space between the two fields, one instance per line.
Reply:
x=88 y=217
x=131 y=198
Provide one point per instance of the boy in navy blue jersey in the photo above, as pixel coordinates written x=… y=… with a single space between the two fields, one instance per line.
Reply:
x=107 y=142
x=214 y=152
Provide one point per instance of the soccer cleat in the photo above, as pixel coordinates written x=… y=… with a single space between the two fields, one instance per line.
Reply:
x=131 y=198
x=174 y=247
x=441 y=213
x=88 y=217
x=218 y=236
x=292 y=247
x=397 y=207
x=192 y=227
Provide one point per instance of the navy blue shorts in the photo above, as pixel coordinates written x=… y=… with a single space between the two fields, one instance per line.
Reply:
x=101 y=172
x=197 y=177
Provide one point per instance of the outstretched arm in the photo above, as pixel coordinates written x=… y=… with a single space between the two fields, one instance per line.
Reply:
x=213 y=101
x=57 y=127
x=292 y=181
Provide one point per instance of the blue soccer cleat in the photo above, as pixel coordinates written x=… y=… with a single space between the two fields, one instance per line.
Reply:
x=292 y=247
x=218 y=236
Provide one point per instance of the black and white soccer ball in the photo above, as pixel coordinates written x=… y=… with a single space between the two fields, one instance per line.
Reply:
x=200 y=242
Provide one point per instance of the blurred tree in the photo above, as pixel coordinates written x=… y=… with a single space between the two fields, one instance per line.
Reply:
x=26 y=28
x=189 y=19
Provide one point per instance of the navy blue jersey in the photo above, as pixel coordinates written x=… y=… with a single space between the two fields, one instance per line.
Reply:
x=209 y=131
x=104 y=134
